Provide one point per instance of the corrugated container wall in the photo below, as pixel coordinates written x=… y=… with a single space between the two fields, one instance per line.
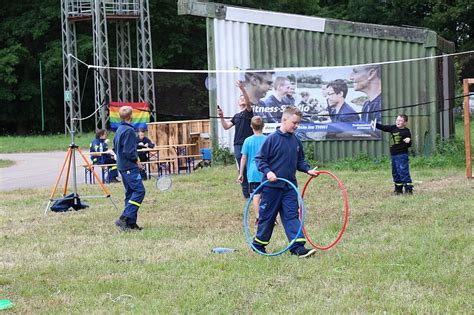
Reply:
x=422 y=89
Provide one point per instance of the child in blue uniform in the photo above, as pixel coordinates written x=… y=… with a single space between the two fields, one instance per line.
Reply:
x=125 y=146
x=100 y=145
x=280 y=156
x=249 y=150
x=400 y=142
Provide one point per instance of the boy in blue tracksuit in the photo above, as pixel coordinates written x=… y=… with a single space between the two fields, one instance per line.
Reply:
x=400 y=137
x=125 y=146
x=280 y=156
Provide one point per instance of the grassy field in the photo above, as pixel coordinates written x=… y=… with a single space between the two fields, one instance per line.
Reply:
x=57 y=142
x=399 y=254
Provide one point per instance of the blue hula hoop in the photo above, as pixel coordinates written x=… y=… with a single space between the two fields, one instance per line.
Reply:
x=246 y=228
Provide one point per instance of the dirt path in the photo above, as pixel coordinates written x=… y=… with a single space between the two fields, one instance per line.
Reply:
x=36 y=170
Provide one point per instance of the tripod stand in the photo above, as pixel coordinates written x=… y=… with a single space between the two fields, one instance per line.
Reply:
x=71 y=159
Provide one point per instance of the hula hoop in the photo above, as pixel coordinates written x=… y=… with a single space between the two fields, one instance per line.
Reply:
x=246 y=229
x=346 y=214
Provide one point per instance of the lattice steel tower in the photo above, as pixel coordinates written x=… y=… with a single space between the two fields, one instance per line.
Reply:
x=100 y=12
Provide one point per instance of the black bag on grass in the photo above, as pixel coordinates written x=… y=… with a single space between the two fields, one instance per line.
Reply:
x=70 y=201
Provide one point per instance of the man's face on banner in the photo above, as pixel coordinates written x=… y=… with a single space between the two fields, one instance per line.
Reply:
x=332 y=97
x=360 y=76
x=291 y=90
x=283 y=88
x=263 y=84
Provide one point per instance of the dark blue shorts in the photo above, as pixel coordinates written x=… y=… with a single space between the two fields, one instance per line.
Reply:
x=253 y=186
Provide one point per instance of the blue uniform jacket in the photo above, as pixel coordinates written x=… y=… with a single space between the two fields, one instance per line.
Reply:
x=99 y=145
x=283 y=154
x=372 y=109
x=145 y=140
x=346 y=114
x=125 y=146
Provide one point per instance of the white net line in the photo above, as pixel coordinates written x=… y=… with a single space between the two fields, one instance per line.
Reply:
x=266 y=70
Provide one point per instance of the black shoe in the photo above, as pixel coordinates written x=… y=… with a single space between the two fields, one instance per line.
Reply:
x=122 y=225
x=134 y=227
x=302 y=252
x=260 y=249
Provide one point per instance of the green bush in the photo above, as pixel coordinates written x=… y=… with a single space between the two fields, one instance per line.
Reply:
x=222 y=155
x=447 y=153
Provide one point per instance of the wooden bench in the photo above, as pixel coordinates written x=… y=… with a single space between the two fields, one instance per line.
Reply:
x=189 y=162
x=104 y=172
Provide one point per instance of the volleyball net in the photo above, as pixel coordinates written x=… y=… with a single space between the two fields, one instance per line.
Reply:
x=337 y=103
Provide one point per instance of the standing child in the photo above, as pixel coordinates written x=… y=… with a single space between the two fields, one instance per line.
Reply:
x=249 y=150
x=400 y=142
x=125 y=145
x=280 y=156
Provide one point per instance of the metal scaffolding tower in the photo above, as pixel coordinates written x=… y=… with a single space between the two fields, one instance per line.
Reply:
x=101 y=12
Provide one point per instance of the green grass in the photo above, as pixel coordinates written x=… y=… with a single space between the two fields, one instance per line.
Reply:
x=6 y=163
x=57 y=142
x=408 y=254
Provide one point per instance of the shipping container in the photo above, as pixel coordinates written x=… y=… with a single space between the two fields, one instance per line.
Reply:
x=423 y=88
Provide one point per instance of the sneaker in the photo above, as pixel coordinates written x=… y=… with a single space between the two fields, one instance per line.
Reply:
x=134 y=226
x=262 y=250
x=122 y=225
x=302 y=252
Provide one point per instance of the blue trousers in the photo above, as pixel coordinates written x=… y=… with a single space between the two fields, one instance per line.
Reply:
x=134 y=194
x=245 y=183
x=401 y=170
x=274 y=201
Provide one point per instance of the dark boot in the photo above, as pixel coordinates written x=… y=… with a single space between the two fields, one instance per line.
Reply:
x=398 y=189
x=409 y=189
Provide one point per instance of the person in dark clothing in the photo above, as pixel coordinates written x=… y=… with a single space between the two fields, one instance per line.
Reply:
x=400 y=137
x=98 y=149
x=129 y=166
x=275 y=103
x=243 y=130
x=281 y=155
x=143 y=142
x=339 y=110
x=289 y=97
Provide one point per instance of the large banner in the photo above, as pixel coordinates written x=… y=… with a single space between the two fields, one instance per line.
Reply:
x=337 y=103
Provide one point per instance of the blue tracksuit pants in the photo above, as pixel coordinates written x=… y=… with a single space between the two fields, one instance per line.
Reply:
x=274 y=201
x=401 y=171
x=134 y=194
